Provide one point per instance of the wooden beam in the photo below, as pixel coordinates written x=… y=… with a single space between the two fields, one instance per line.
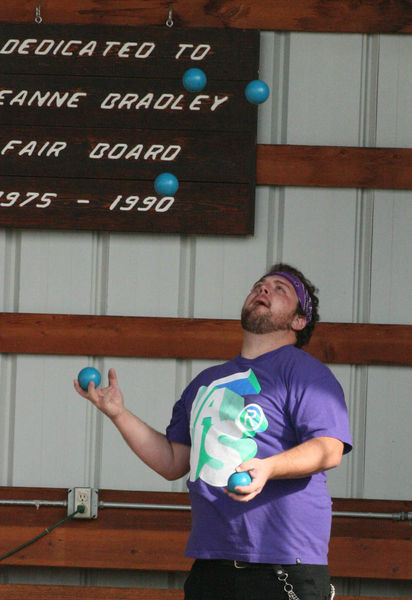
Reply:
x=154 y=539
x=362 y=557
x=372 y=16
x=88 y=335
x=334 y=166
x=22 y=591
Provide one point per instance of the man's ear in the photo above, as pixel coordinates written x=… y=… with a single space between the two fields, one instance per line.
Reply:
x=299 y=323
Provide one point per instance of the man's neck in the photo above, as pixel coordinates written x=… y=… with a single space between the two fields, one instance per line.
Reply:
x=255 y=344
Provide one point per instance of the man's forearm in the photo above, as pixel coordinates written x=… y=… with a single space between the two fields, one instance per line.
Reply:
x=152 y=447
x=308 y=458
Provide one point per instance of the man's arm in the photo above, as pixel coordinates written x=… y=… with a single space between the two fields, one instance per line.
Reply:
x=169 y=459
x=306 y=459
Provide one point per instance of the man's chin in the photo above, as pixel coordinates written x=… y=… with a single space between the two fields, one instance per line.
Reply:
x=258 y=326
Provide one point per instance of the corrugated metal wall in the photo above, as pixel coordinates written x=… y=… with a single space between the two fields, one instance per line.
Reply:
x=355 y=245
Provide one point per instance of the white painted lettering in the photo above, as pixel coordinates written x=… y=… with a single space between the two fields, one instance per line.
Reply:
x=182 y=48
x=163 y=102
x=146 y=101
x=127 y=101
x=43 y=148
x=10 y=145
x=109 y=46
x=89 y=49
x=218 y=101
x=32 y=147
x=44 y=47
x=38 y=98
x=176 y=104
x=56 y=148
x=66 y=50
x=20 y=98
x=29 y=148
x=25 y=46
x=145 y=50
x=59 y=45
x=197 y=101
x=99 y=150
x=9 y=47
x=2 y=95
x=110 y=100
x=171 y=152
x=73 y=101
x=58 y=98
x=200 y=52
x=135 y=152
x=124 y=51
x=153 y=151
x=117 y=151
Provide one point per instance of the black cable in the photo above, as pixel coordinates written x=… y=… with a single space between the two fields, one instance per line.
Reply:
x=80 y=509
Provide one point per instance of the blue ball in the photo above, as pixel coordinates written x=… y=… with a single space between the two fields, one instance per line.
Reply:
x=166 y=184
x=235 y=479
x=87 y=375
x=257 y=91
x=194 y=80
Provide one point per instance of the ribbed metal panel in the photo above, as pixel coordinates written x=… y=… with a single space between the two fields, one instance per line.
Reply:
x=355 y=245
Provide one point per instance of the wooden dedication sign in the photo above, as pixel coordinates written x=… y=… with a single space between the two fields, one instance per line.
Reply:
x=90 y=115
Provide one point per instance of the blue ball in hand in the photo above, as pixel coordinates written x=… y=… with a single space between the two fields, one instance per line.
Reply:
x=242 y=478
x=257 y=91
x=87 y=375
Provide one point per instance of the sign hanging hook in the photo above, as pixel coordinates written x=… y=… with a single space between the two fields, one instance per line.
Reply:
x=38 y=17
x=169 y=22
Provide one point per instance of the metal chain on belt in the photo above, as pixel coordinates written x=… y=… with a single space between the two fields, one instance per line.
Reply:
x=288 y=587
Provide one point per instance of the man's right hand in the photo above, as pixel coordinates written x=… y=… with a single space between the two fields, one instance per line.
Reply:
x=109 y=399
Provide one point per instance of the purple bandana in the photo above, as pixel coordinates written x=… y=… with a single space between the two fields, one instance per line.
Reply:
x=301 y=291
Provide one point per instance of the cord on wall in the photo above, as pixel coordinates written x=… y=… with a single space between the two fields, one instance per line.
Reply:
x=80 y=509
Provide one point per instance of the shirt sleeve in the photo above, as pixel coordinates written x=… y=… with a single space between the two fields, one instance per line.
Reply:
x=317 y=408
x=178 y=429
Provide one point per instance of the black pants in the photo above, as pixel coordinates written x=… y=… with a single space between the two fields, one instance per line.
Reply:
x=217 y=580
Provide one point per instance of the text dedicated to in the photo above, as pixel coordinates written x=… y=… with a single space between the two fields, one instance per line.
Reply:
x=121 y=49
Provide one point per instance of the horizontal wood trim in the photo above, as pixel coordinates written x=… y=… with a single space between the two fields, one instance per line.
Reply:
x=18 y=591
x=152 y=539
x=73 y=592
x=161 y=337
x=334 y=166
x=362 y=557
x=287 y=15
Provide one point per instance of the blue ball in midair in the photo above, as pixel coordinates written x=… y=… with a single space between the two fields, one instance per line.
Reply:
x=166 y=184
x=257 y=91
x=87 y=375
x=194 y=80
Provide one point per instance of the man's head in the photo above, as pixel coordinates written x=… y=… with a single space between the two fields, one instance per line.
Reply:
x=282 y=300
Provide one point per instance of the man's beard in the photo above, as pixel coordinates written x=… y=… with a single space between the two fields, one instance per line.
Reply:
x=264 y=323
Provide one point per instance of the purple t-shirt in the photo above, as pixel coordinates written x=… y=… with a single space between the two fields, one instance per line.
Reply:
x=257 y=408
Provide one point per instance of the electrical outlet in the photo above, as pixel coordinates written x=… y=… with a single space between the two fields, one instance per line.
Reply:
x=83 y=496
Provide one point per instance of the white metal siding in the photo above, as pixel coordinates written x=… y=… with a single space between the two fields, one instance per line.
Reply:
x=355 y=245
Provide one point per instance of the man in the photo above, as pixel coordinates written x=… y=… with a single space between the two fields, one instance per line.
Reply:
x=274 y=411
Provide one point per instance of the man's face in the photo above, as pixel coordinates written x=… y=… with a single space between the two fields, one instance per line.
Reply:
x=270 y=306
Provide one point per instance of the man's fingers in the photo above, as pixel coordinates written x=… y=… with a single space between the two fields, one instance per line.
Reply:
x=113 y=378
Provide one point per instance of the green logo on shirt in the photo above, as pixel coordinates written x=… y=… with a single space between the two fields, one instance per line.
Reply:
x=222 y=427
